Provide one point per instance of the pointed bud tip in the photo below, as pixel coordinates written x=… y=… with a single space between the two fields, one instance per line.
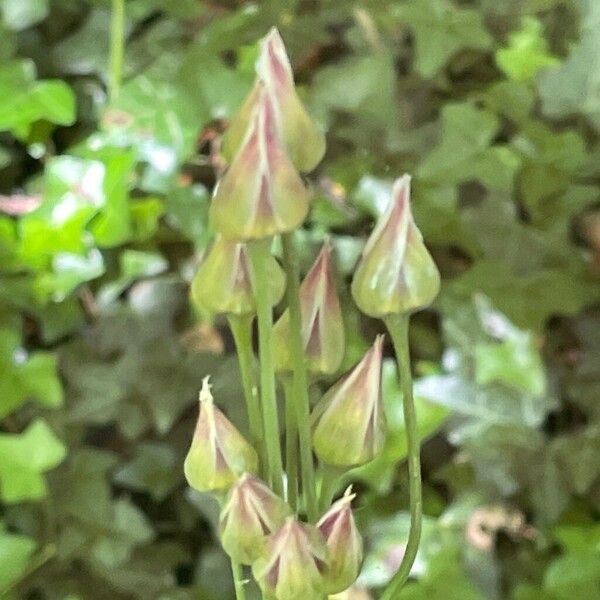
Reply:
x=206 y=396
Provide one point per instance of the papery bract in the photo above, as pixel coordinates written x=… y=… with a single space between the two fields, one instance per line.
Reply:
x=219 y=454
x=396 y=273
x=349 y=422
x=251 y=513
x=261 y=194
x=222 y=283
x=304 y=142
x=292 y=563
x=323 y=334
x=344 y=544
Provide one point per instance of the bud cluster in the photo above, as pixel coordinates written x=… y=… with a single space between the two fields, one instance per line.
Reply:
x=268 y=144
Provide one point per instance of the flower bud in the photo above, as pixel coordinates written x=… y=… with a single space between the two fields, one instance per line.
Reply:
x=261 y=194
x=344 y=544
x=222 y=283
x=304 y=142
x=219 y=454
x=353 y=593
x=396 y=273
x=322 y=325
x=292 y=564
x=349 y=422
x=251 y=513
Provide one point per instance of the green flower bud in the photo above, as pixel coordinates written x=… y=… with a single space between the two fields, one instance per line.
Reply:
x=396 y=273
x=292 y=564
x=222 y=283
x=251 y=513
x=344 y=544
x=219 y=454
x=304 y=142
x=261 y=194
x=322 y=325
x=353 y=593
x=349 y=422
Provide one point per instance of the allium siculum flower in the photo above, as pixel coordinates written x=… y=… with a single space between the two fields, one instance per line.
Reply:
x=261 y=194
x=251 y=513
x=322 y=325
x=396 y=273
x=304 y=142
x=349 y=421
x=219 y=454
x=222 y=283
x=292 y=564
x=344 y=544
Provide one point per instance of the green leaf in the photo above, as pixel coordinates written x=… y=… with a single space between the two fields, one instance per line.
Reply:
x=145 y=214
x=24 y=458
x=572 y=88
x=23 y=100
x=21 y=14
x=527 y=52
x=465 y=150
x=441 y=30
x=15 y=553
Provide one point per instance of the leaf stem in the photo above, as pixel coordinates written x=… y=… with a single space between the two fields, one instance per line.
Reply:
x=398 y=327
x=300 y=378
x=238 y=580
x=241 y=329
x=117 y=49
x=259 y=253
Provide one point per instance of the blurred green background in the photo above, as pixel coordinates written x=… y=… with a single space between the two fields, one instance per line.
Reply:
x=493 y=106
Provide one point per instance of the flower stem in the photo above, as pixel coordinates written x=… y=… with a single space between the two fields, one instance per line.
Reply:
x=238 y=580
x=241 y=329
x=291 y=443
x=117 y=49
x=398 y=327
x=300 y=379
x=259 y=253
x=329 y=485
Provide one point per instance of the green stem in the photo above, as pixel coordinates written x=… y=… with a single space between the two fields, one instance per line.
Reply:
x=329 y=486
x=300 y=379
x=238 y=580
x=241 y=329
x=259 y=253
x=117 y=48
x=398 y=327
x=291 y=443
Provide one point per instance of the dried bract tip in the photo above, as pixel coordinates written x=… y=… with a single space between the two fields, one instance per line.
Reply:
x=344 y=544
x=219 y=454
x=251 y=513
x=396 y=274
x=349 y=421
x=323 y=334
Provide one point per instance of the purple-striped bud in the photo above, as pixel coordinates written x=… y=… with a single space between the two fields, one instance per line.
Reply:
x=219 y=454
x=349 y=422
x=251 y=513
x=261 y=194
x=396 y=273
x=322 y=325
x=222 y=283
x=291 y=567
x=304 y=142
x=344 y=544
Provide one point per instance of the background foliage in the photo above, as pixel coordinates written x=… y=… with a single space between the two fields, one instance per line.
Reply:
x=494 y=107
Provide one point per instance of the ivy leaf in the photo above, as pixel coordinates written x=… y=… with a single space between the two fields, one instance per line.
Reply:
x=441 y=30
x=23 y=460
x=466 y=150
x=527 y=52
x=15 y=552
x=23 y=100
x=572 y=88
